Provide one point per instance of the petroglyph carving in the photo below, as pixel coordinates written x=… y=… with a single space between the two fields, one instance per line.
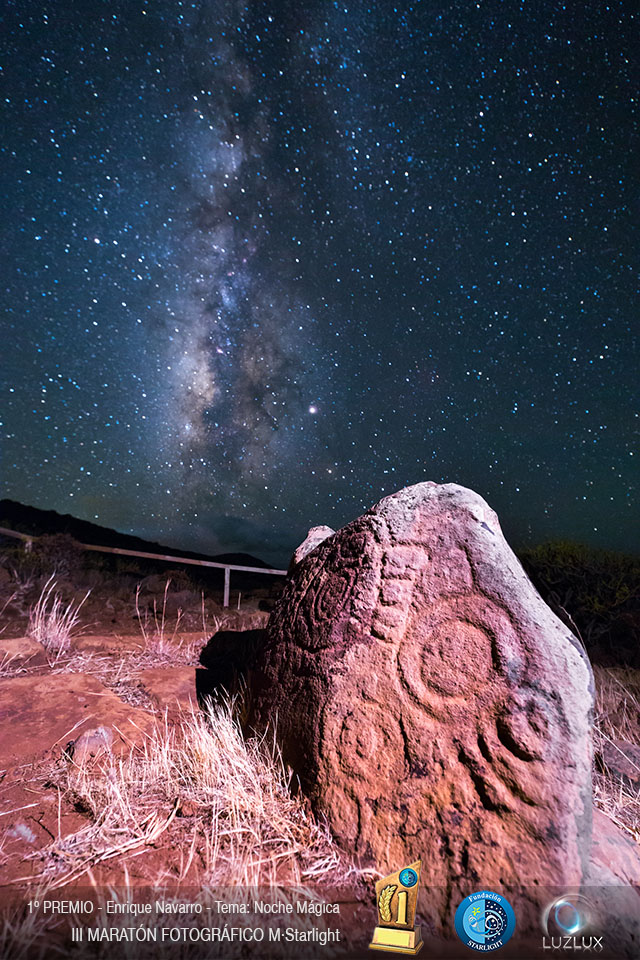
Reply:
x=430 y=702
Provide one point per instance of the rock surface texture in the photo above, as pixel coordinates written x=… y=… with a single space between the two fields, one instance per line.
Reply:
x=431 y=703
x=313 y=539
x=613 y=888
x=46 y=714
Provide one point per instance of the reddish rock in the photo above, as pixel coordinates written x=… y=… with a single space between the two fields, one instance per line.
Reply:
x=431 y=703
x=21 y=653
x=620 y=760
x=45 y=714
x=106 y=644
x=170 y=689
x=613 y=888
x=614 y=850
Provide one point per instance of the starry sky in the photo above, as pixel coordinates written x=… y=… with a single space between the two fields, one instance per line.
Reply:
x=265 y=263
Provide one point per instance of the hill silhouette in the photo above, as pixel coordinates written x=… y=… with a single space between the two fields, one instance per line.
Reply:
x=36 y=522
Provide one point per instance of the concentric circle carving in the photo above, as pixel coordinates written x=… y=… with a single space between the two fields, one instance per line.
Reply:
x=369 y=745
x=453 y=658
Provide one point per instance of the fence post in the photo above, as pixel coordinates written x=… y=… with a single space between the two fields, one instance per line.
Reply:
x=227 y=582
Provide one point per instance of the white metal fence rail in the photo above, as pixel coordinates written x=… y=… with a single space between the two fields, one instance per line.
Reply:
x=227 y=567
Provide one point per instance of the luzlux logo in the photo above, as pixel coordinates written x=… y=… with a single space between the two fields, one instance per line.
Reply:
x=566 y=924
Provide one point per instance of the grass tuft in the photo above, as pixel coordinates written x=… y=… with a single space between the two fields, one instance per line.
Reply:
x=25 y=934
x=221 y=800
x=51 y=622
x=617 y=719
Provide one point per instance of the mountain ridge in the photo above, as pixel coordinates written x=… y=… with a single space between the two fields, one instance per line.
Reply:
x=37 y=522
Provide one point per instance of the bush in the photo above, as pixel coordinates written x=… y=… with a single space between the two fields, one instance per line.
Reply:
x=594 y=591
x=58 y=552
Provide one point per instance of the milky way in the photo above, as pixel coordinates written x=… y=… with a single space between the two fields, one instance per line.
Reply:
x=265 y=263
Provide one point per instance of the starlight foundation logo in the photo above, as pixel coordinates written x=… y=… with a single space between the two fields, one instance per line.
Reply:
x=485 y=921
x=397 y=901
x=565 y=924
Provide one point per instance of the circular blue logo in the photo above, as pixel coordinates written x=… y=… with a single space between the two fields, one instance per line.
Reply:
x=408 y=878
x=485 y=921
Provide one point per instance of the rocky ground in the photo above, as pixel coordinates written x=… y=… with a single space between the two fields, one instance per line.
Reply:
x=117 y=769
x=114 y=773
x=71 y=708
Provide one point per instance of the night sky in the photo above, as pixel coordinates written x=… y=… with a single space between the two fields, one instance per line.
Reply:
x=265 y=263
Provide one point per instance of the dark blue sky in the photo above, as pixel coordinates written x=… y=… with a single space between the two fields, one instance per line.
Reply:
x=265 y=263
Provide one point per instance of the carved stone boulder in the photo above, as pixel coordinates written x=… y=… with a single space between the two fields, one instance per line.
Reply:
x=431 y=704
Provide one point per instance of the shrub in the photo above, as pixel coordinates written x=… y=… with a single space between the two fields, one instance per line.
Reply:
x=58 y=552
x=594 y=591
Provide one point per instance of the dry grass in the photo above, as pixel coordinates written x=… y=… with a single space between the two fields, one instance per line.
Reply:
x=52 y=622
x=162 y=650
x=10 y=666
x=154 y=626
x=26 y=934
x=4 y=606
x=159 y=633
x=239 y=823
x=618 y=702
x=55 y=625
x=120 y=673
x=617 y=719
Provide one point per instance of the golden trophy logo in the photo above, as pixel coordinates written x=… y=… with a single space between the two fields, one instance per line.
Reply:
x=397 y=900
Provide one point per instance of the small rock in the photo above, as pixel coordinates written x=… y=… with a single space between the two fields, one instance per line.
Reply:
x=615 y=850
x=187 y=808
x=90 y=745
x=620 y=760
x=17 y=653
x=612 y=885
x=314 y=538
